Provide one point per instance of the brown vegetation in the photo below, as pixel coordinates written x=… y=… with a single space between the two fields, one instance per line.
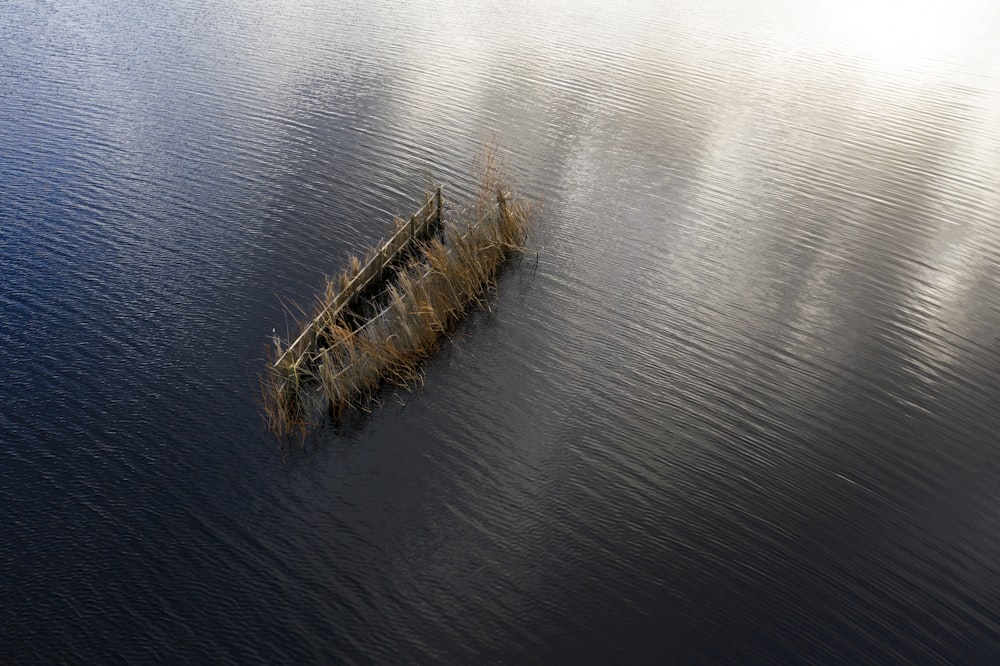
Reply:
x=428 y=294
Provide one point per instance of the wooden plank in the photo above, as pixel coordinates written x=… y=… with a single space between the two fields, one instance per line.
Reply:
x=369 y=273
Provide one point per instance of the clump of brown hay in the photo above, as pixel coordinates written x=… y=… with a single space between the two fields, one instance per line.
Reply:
x=429 y=294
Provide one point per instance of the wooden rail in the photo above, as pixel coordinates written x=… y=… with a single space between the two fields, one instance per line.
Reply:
x=501 y=208
x=419 y=226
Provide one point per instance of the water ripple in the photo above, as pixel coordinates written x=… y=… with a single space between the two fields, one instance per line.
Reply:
x=736 y=404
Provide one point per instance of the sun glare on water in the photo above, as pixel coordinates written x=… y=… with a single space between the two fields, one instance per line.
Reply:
x=899 y=33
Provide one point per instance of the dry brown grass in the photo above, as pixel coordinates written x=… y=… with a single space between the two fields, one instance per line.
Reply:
x=430 y=293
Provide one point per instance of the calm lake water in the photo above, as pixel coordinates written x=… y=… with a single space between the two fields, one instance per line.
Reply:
x=737 y=404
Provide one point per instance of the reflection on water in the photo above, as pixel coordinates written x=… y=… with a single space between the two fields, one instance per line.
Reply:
x=739 y=404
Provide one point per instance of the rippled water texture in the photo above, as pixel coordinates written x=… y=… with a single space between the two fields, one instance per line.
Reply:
x=738 y=402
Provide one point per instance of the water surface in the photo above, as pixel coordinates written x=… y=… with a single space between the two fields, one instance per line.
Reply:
x=736 y=404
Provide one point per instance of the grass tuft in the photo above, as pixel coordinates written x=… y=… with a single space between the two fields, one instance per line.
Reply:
x=427 y=296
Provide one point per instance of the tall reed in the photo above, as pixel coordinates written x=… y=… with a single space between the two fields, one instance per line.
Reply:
x=428 y=295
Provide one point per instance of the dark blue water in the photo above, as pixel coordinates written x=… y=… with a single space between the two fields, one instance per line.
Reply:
x=737 y=404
